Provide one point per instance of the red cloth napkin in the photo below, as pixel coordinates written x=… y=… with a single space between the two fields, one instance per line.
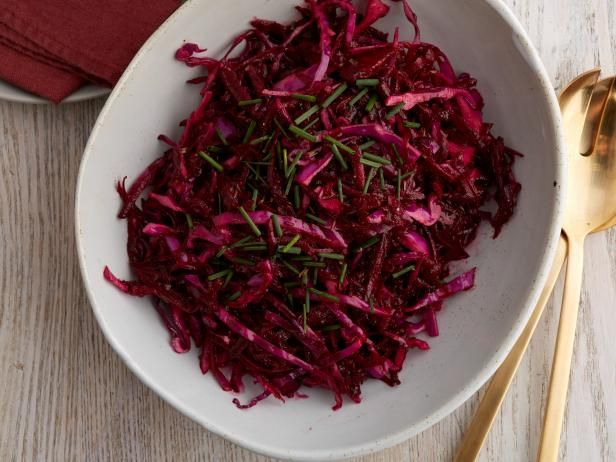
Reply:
x=52 y=47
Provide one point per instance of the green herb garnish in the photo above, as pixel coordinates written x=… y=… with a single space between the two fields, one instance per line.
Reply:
x=211 y=161
x=249 y=221
x=220 y=274
x=249 y=131
x=404 y=271
x=302 y=97
x=397 y=108
x=316 y=219
x=306 y=115
x=331 y=256
x=291 y=243
x=250 y=102
x=337 y=92
x=358 y=96
x=302 y=133
x=322 y=294
x=277 y=227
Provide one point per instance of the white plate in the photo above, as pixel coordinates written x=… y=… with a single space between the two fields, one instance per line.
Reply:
x=10 y=92
x=477 y=328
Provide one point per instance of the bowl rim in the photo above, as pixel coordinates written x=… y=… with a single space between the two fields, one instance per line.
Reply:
x=403 y=434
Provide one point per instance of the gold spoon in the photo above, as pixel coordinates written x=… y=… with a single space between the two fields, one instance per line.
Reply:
x=574 y=101
x=591 y=194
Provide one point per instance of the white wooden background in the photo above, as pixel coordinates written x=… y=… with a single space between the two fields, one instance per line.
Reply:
x=65 y=395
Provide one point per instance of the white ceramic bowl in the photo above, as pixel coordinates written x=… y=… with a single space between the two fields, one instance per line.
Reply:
x=477 y=328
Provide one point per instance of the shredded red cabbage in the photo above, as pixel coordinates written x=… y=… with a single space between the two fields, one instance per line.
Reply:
x=300 y=231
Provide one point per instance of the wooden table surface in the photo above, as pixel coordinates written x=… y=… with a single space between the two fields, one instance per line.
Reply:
x=66 y=396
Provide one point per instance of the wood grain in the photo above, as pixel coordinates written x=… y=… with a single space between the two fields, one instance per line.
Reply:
x=65 y=396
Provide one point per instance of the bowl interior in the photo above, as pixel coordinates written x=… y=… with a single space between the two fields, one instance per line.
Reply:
x=477 y=328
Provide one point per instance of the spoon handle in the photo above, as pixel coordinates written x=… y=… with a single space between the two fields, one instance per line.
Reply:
x=489 y=406
x=561 y=366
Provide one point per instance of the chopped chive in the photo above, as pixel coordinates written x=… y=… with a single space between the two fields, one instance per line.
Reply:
x=258 y=163
x=250 y=102
x=382 y=178
x=322 y=294
x=308 y=126
x=340 y=192
x=398 y=185
x=228 y=279
x=337 y=92
x=331 y=256
x=255 y=194
x=302 y=133
x=189 y=221
x=302 y=258
x=305 y=312
x=241 y=242
x=290 y=266
x=291 y=243
x=371 y=176
x=243 y=261
x=220 y=274
x=407 y=175
x=259 y=140
x=371 y=103
x=375 y=158
x=369 y=163
x=304 y=276
x=343 y=272
x=291 y=285
x=277 y=227
x=249 y=221
x=404 y=271
x=255 y=172
x=367 y=82
x=397 y=108
x=331 y=328
x=339 y=158
x=285 y=160
x=222 y=137
x=306 y=115
x=358 y=96
x=289 y=182
x=302 y=97
x=367 y=144
x=235 y=296
x=408 y=124
x=222 y=251
x=256 y=247
x=296 y=198
x=219 y=203
x=316 y=219
x=315 y=276
x=314 y=264
x=340 y=145
x=290 y=251
x=369 y=243
x=211 y=161
x=395 y=148
x=214 y=149
x=281 y=128
x=307 y=303
x=293 y=165
x=249 y=131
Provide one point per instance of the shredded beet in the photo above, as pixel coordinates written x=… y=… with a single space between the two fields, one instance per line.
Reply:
x=301 y=229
